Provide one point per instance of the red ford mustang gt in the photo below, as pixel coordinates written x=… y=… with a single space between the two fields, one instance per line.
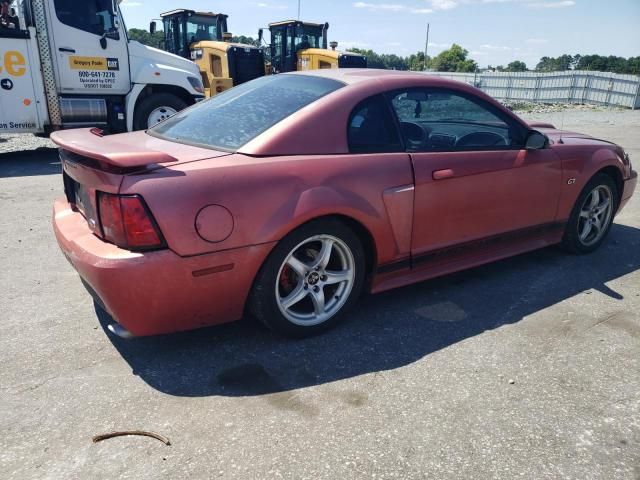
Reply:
x=288 y=196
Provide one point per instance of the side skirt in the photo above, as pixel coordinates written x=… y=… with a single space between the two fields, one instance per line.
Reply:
x=465 y=255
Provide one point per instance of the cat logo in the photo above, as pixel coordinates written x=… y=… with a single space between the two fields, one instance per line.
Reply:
x=113 y=64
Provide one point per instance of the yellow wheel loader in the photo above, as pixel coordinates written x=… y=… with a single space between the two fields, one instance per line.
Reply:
x=297 y=45
x=203 y=38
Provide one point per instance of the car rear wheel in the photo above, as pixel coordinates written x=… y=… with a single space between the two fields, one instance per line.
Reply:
x=592 y=215
x=310 y=279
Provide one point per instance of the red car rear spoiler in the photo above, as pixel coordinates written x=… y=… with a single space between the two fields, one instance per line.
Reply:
x=90 y=142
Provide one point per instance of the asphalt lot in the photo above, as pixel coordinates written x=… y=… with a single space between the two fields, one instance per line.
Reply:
x=526 y=368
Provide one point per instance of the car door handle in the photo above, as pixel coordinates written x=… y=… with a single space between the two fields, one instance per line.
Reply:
x=442 y=174
x=66 y=50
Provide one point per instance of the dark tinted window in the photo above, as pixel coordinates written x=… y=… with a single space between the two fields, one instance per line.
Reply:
x=432 y=119
x=371 y=128
x=95 y=16
x=233 y=118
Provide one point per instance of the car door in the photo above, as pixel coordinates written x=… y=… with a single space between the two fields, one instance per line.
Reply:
x=374 y=137
x=81 y=64
x=474 y=181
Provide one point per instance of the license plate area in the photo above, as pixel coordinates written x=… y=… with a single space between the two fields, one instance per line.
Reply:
x=80 y=200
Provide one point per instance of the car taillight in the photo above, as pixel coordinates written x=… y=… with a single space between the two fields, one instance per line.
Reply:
x=127 y=222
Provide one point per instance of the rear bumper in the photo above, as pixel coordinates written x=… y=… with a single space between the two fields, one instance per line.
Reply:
x=629 y=187
x=158 y=292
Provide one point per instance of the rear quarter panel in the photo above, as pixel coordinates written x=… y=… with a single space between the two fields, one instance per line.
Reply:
x=269 y=197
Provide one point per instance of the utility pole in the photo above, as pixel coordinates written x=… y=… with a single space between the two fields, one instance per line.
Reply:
x=426 y=48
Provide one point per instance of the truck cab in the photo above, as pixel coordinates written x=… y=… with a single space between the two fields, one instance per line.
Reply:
x=72 y=65
x=297 y=45
x=203 y=38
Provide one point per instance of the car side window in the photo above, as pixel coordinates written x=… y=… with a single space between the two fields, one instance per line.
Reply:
x=371 y=128
x=445 y=120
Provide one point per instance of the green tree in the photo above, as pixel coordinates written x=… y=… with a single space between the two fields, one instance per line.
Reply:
x=453 y=60
x=385 y=61
x=516 y=66
x=415 y=61
x=156 y=40
x=245 y=40
x=633 y=65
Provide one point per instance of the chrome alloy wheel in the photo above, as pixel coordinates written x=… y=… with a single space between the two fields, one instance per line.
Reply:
x=160 y=114
x=595 y=215
x=315 y=280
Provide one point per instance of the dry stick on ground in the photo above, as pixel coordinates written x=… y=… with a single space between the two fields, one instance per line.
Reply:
x=99 y=438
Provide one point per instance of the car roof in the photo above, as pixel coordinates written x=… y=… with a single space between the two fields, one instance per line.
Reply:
x=320 y=127
x=357 y=75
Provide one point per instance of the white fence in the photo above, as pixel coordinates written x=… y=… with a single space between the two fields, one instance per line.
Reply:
x=577 y=86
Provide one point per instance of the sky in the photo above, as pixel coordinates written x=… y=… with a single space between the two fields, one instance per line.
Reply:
x=495 y=32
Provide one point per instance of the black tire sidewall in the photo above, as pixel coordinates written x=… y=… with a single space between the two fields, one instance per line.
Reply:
x=262 y=302
x=571 y=240
x=150 y=103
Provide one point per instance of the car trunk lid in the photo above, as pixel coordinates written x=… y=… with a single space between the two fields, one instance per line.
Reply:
x=94 y=163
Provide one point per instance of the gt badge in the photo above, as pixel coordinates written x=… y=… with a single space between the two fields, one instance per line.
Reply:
x=571 y=181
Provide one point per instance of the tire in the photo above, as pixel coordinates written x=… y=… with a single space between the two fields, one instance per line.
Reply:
x=325 y=288
x=574 y=239
x=155 y=101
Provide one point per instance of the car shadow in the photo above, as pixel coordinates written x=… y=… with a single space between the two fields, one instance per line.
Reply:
x=386 y=331
x=26 y=163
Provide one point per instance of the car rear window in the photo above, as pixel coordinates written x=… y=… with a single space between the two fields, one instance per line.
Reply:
x=233 y=118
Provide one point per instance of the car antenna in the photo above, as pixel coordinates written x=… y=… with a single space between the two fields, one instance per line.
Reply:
x=561 y=128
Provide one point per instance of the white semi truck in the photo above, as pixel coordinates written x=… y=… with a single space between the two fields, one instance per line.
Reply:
x=69 y=63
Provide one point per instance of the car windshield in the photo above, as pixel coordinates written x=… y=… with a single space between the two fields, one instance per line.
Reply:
x=233 y=118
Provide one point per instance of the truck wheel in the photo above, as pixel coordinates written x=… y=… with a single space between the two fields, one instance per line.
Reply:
x=156 y=108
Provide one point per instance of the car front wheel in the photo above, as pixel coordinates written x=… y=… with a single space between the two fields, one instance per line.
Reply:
x=310 y=279
x=592 y=215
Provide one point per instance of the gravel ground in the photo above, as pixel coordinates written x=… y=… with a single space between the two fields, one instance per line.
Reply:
x=23 y=142
x=528 y=368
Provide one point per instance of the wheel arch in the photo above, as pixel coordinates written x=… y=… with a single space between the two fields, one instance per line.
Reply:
x=356 y=226
x=616 y=175
x=362 y=232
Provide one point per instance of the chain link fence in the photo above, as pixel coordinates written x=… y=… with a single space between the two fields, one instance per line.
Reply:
x=577 y=86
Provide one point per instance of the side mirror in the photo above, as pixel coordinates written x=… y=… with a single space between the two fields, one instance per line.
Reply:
x=152 y=28
x=260 y=35
x=536 y=141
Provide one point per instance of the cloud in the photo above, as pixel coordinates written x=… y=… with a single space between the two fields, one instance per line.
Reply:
x=391 y=7
x=346 y=44
x=450 y=4
x=561 y=4
x=271 y=6
x=444 y=4
x=478 y=53
x=488 y=46
x=129 y=3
